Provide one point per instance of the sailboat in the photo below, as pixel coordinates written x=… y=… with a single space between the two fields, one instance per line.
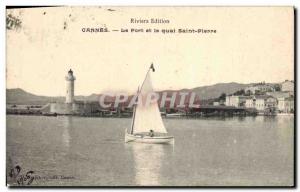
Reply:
x=147 y=125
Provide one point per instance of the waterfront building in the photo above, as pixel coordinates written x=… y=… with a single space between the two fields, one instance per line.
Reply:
x=263 y=102
x=250 y=102
x=286 y=104
x=236 y=100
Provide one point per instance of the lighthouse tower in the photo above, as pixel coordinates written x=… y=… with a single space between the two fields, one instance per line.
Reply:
x=70 y=87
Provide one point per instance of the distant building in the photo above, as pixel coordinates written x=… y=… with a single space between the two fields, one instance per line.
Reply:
x=286 y=105
x=250 y=102
x=216 y=103
x=259 y=88
x=222 y=102
x=261 y=102
x=280 y=94
x=236 y=100
x=287 y=86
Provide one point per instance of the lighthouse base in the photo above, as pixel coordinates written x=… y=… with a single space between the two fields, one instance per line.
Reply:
x=76 y=108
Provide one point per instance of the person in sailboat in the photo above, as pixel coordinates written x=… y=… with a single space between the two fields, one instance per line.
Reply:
x=151 y=133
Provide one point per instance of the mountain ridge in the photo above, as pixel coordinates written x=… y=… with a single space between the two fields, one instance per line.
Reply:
x=20 y=96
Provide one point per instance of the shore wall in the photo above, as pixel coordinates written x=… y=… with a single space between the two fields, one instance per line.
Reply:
x=71 y=108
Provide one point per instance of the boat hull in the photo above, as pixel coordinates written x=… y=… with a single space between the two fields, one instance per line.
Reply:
x=148 y=139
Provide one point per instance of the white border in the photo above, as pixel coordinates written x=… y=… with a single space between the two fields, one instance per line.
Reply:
x=3 y=3
x=153 y=2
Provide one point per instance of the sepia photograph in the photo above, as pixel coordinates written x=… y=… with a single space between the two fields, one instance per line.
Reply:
x=150 y=96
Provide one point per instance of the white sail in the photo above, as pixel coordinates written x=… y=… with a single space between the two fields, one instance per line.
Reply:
x=147 y=116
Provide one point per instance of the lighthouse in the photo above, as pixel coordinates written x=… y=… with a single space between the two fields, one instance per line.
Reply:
x=70 y=78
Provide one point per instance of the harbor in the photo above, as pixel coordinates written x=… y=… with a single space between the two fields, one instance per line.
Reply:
x=255 y=99
x=204 y=111
x=206 y=152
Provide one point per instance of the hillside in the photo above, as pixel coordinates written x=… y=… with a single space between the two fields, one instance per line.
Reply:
x=214 y=91
x=19 y=96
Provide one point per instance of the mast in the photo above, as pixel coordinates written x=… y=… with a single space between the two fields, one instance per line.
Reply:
x=134 y=110
x=132 y=124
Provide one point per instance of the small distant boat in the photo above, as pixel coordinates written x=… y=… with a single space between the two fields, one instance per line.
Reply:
x=147 y=125
x=50 y=114
x=174 y=115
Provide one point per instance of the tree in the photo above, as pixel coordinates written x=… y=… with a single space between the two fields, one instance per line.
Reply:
x=277 y=87
x=258 y=92
x=248 y=93
x=222 y=96
x=240 y=92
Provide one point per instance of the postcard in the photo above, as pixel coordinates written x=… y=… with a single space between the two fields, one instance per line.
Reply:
x=137 y=96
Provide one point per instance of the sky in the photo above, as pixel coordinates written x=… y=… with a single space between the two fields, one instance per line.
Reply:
x=252 y=44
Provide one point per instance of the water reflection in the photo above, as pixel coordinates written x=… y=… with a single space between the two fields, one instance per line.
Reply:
x=148 y=162
x=286 y=119
x=287 y=126
x=264 y=119
x=270 y=119
x=67 y=123
x=241 y=118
